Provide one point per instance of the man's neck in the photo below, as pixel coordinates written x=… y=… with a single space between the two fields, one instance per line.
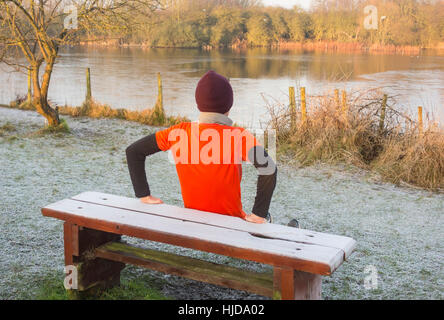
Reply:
x=214 y=117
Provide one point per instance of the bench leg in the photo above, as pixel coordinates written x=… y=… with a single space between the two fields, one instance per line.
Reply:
x=92 y=273
x=289 y=284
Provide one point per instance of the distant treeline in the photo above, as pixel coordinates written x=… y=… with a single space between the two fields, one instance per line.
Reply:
x=242 y=23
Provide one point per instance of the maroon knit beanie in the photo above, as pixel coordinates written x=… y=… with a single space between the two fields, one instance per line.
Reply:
x=214 y=93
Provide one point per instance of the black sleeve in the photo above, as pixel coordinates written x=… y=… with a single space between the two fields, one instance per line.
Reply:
x=135 y=156
x=266 y=181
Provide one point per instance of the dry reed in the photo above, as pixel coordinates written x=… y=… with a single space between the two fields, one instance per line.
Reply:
x=93 y=109
x=399 y=153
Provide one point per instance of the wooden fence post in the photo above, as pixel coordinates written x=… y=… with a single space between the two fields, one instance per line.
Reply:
x=344 y=102
x=337 y=98
x=420 y=123
x=158 y=108
x=292 y=107
x=29 y=87
x=160 y=91
x=303 y=105
x=88 y=84
x=382 y=115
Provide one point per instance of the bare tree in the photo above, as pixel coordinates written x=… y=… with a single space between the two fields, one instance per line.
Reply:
x=32 y=32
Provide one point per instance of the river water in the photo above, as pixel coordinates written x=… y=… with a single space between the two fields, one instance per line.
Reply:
x=126 y=78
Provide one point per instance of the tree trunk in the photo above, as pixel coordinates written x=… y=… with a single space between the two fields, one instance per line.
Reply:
x=40 y=96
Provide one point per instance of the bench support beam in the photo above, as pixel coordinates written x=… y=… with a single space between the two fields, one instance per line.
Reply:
x=187 y=267
x=289 y=284
x=92 y=273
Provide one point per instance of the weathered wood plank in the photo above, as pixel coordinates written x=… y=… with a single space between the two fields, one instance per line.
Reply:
x=98 y=272
x=307 y=286
x=92 y=271
x=89 y=239
x=68 y=242
x=204 y=271
x=289 y=284
x=75 y=240
x=299 y=256
x=275 y=231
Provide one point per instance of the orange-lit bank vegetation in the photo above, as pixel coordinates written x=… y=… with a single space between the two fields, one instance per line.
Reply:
x=329 y=24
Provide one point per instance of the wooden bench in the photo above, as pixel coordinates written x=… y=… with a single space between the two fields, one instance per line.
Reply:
x=94 y=223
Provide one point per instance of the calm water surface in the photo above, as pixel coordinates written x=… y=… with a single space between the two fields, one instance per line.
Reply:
x=126 y=77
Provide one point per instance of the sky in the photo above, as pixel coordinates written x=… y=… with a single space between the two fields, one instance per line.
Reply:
x=288 y=3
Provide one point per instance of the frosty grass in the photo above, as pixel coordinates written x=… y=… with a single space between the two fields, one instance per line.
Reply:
x=398 y=230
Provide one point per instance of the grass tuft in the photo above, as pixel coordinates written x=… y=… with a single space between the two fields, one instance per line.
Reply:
x=51 y=288
x=414 y=159
x=61 y=128
x=93 y=109
x=6 y=128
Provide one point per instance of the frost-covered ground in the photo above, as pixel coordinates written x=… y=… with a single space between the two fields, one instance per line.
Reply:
x=398 y=230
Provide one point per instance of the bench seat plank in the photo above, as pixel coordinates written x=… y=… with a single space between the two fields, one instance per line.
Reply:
x=274 y=231
x=299 y=256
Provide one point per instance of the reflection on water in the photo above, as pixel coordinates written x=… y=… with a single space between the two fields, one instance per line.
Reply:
x=126 y=77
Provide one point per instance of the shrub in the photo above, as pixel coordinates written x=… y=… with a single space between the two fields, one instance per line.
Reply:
x=414 y=159
x=400 y=154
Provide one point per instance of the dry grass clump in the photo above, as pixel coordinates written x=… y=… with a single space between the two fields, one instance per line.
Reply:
x=21 y=102
x=413 y=158
x=328 y=134
x=357 y=135
x=337 y=46
x=93 y=109
x=59 y=129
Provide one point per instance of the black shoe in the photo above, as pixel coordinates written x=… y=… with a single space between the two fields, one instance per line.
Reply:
x=268 y=218
x=293 y=223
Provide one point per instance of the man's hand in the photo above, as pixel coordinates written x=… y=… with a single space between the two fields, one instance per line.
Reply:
x=254 y=218
x=151 y=200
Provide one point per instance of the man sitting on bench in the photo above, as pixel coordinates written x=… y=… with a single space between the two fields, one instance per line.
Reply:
x=208 y=155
